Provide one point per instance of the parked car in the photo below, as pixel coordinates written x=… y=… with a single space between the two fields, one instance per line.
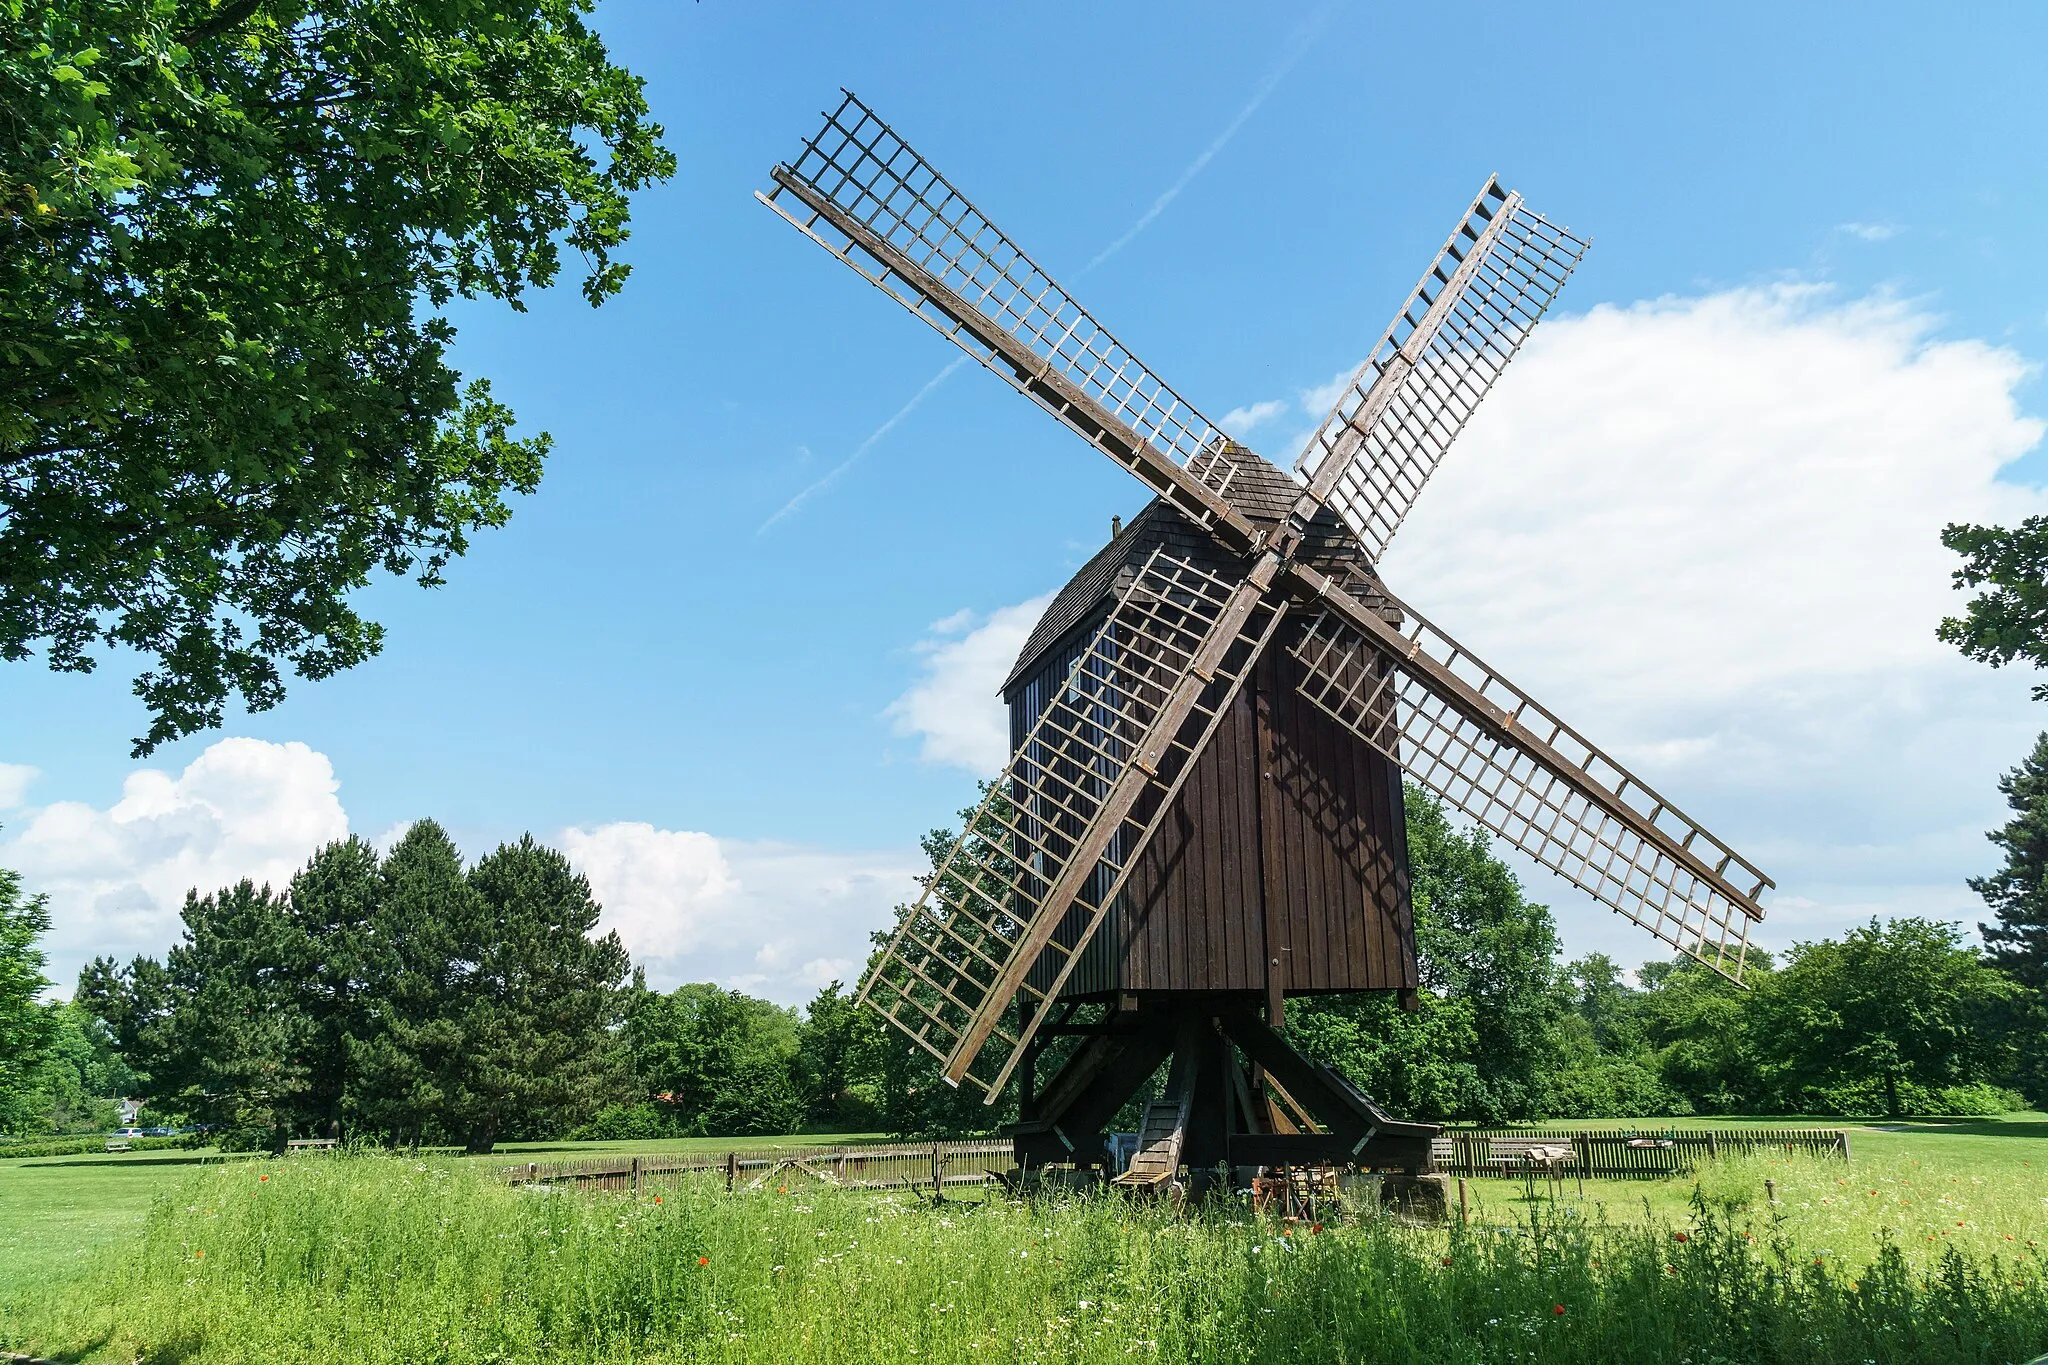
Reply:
x=129 y=1133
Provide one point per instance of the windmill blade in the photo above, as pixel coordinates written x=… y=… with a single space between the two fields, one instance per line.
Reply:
x=864 y=195
x=1008 y=911
x=1463 y=731
x=1473 y=308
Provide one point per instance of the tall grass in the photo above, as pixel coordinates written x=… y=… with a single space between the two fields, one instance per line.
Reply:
x=379 y=1258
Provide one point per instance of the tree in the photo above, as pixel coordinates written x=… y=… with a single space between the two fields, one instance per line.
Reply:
x=229 y=234
x=1699 y=1025
x=2018 y=892
x=536 y=1001
x=1893 y=1013
x=332 y=909
x=2010 y=620
x=713 y=1061
x=839 y=1057
x=26 y=1029
x=407 y=1055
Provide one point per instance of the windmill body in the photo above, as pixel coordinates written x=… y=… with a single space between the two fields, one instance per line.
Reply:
x=1202 y=812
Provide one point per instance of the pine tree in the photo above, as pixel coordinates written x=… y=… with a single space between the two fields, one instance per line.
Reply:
x=239 y=1047
x=404 y=1059
x=2018 y=892
x=539 y=1004
x=332 y=905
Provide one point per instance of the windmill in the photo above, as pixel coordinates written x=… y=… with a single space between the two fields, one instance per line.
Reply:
x=1202 y=813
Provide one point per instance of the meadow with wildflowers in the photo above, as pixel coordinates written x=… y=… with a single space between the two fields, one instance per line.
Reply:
x=377 y=1257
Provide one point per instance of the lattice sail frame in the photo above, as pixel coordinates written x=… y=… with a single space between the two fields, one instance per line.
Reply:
x=983 y=908
x=869 y=199
x=1699 y=894
x=1478 y=301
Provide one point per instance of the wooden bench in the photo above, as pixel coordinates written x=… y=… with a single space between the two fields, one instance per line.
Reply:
x=117 y=1144
x=310 y=1145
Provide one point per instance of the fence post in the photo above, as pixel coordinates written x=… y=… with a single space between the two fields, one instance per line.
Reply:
x=938 y=1174
x=732 y=1171
x=1842 y=1137
x=1464 y=1218
x=532 y=1170
x=636 y=1175
x=1713 y=1146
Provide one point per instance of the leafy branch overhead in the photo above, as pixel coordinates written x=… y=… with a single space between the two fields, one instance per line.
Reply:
x=227 y=235
x=2008 y=619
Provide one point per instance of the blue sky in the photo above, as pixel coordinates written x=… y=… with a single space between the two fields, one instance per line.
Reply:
x=637 y=648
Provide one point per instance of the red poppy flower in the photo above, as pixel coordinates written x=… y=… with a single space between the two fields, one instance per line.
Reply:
x=1681 y=1237
x=1447 y=1260
x=1557 y=1309
x=657 y=1199
x=703 y=1260
x=263 y=1177
x=1317 y=1228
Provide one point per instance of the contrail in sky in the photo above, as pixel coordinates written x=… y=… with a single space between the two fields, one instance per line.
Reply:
x=1208 y=154
x=1159 y=206
x=832 y=476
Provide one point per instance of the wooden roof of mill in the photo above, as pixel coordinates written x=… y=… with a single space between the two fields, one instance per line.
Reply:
x=1259 y=490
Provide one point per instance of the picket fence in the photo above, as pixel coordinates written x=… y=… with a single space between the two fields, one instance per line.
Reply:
x=865 y=1166
x=1624 y=1153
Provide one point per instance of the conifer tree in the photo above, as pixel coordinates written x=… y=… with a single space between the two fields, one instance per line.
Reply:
x=538 y=1001
x=332 y=905
x=2018 y=892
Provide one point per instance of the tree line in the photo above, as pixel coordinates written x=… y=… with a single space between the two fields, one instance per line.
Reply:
x=408 y=998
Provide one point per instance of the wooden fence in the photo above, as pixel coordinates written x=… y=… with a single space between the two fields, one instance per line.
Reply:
x=1625 y=1154
x=867 y=1166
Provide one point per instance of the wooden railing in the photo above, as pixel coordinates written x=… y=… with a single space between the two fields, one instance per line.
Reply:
x=865 y=1166
x=1624 y=1154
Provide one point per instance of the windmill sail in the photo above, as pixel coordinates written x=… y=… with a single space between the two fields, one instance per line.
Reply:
x=866 y=196
x=1477 y=302
x=1058 y=832
x=1464 y=732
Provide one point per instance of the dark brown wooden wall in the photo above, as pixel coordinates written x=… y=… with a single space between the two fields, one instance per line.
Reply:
x=1287 y=841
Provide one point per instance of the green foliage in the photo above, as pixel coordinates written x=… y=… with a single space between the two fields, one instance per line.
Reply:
x=229 y=233
x=534 y=1001
x=403 y=998
x=26 y=1029
x=377 y=1257
x=2017 y=939
x=2007 y=621
x=717 y=1061
x=74 y=1086
x=1886 y=1014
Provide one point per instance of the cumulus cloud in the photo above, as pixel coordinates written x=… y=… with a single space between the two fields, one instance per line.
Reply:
x=771 y=919
x=1706 y=530
x=1872 y=232
x=14 y=780
x=117 y=876
x=952 y=710
x=1240 y=422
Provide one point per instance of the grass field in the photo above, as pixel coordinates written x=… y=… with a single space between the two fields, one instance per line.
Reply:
x=1921 y=1248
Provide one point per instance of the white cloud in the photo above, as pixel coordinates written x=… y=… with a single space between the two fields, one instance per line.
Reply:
x=1872 y=232
x=767 y=918
x=14 y=781
x=775 y=919
x=953 y=709
x=1240 y=422
x=116 y=877
x=1706 y=530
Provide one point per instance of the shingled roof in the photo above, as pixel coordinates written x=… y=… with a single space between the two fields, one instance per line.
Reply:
x=1259 y=490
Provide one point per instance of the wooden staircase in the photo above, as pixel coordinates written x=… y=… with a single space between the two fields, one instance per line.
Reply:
x=1157 y=1159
